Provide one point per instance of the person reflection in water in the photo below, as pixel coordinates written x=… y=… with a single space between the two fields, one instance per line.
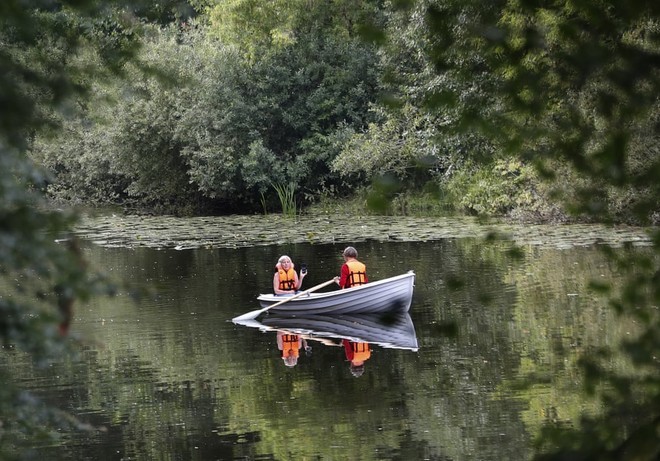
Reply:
x=357 y=353
x=290 y=346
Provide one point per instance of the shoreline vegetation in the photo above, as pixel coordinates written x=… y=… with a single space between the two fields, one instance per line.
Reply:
x=414 y=205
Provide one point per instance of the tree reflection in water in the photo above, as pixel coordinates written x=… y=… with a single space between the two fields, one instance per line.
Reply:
x=500 y=338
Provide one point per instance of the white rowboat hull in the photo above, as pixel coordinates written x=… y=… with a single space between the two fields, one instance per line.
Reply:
x=393 y=294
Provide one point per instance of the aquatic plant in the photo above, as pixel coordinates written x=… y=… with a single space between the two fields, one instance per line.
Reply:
x=287 y=196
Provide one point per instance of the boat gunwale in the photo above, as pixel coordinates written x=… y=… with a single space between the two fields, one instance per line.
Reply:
x=270 y=297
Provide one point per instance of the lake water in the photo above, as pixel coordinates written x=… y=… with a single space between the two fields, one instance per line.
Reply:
x=172 y=378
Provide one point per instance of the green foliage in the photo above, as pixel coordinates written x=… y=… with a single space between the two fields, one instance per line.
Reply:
x=78 y=173
x=493 y=190
x=415 y=136
x=333 y=201
x=41 y=41
x=255 y=26
x=144 y=147
x=549 y=83
x=312 y=165
x=42 y=271
x=382 y=190
x=587 y=80
x=238 y=136
x=261 y=166
x=222 y=130
x=252 y=24
x=394 y=146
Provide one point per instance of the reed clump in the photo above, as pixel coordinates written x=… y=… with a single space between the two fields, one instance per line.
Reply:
x=287 y=196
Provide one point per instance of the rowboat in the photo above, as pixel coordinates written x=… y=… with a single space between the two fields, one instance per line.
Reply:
x=395 y=331
x=392 y=294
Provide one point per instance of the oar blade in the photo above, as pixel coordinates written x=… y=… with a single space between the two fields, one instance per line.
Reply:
x=254 y=314
x=248 y=316
x=253 y=323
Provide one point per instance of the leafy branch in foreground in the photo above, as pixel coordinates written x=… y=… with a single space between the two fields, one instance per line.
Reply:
x=42 y=272
x=573 y=84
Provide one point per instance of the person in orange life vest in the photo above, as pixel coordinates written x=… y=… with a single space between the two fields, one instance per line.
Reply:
x=290 y=346
x=357 y=353
x=286 y=280
x=353 y=272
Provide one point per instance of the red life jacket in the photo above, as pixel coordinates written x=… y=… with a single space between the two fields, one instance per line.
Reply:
x=287 y=279
x=357 y=274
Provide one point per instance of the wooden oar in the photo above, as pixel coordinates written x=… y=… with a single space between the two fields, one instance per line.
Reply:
x=257 y=313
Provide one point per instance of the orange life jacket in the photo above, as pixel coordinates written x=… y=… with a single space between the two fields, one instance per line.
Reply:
x=361 y=352
x=357 y=274
x=290 y=345
x=287 y=279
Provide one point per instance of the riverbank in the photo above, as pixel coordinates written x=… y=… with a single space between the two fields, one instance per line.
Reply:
x=406 y=206
x=539 y=210
x=430 y=206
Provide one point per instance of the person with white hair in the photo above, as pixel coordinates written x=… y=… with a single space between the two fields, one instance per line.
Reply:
x=290 y=344
x=286 y=280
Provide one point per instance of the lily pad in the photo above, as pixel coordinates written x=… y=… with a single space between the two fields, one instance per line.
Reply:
x=246 y=231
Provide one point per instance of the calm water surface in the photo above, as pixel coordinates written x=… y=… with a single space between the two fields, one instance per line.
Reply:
x=172 y=378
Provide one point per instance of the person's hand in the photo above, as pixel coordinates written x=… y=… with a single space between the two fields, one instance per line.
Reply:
x=336 y=279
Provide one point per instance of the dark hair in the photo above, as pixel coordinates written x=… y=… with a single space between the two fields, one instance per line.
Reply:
x=357 y=370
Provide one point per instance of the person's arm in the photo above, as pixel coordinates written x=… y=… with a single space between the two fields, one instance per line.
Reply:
x=343 y=279
x=302 y=276
x=348 y=350
x=276 y=283
x=307 y=347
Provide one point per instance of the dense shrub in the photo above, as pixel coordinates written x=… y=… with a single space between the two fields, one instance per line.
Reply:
x=494 y=189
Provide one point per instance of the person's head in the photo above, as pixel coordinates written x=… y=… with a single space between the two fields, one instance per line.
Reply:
x=350 y=252
x=357 y=369
x=290 y=360
x=284 y=262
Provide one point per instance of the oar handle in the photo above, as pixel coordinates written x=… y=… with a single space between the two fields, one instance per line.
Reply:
x=298 y=295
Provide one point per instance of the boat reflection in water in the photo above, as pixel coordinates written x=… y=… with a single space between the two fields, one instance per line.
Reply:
x=357 y=333
x=390 y=330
